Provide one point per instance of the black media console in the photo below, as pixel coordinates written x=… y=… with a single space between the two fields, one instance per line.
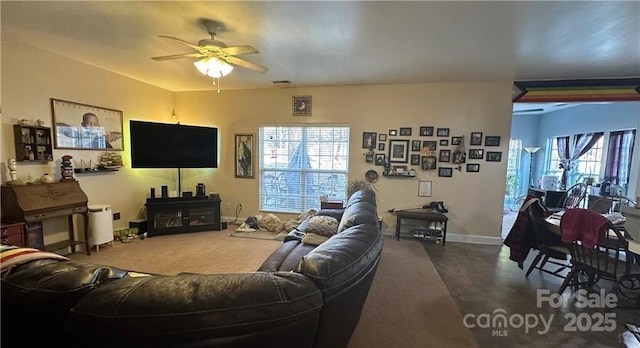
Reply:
x=182 y=214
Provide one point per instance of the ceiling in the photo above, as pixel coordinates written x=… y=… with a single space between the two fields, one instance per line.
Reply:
x=341 y=43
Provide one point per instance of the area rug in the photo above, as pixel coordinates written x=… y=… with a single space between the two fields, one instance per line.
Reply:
x=260 y=235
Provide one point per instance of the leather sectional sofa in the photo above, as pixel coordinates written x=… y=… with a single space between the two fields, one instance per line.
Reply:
x=302 y=296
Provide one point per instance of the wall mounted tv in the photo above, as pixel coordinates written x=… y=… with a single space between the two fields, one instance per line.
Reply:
x=164 y=145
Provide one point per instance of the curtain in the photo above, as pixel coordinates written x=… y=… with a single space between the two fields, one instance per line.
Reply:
x=619 y=155
x=570 y=151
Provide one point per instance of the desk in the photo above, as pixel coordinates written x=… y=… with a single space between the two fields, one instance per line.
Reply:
x=428 y=215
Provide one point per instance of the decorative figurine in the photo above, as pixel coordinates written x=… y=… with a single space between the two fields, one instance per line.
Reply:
x=12 y=165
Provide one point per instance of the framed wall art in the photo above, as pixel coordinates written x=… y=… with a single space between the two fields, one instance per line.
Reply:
x=446 y=172
x=431 y=145
x=86 y=127
x=382 y=137
x=473 y=167
x=444 y=142
x=428 y=163
x=494 y=156
x=442 y=132
x=416 y=145
x=244 y=156
x=445 y=156
x=381 y=146
x=405 y=131
x=380 y=159
x=476 y=138
x=301 y=105
x=456 y=140
x=424 y=188
x=426 y=131
x=476 y=153
x=393 y=132
x=398 y=151
x=369 y=140
x=492 y=140
x=415 y=160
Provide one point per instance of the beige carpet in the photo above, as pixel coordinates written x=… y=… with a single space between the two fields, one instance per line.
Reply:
x=259 y=235
x=408 y=304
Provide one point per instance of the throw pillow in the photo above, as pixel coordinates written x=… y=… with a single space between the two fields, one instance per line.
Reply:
x=313 y=239
x=322 y=225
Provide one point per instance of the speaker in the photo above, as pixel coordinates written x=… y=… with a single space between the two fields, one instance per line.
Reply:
x=165 y=191
x=152 y=194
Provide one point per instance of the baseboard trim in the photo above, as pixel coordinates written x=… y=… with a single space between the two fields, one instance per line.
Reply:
x=461 y=238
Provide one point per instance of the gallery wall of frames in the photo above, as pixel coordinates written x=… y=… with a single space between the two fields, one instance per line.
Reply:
x=402 y=152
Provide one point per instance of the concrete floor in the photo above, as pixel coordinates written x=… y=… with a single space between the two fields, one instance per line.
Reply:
x=482 y=280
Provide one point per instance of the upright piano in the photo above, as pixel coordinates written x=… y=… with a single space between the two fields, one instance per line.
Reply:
x=34 y=203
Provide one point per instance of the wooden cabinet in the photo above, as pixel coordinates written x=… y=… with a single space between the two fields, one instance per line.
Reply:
x=182 y=214
x=33 y=143
x=13 y=234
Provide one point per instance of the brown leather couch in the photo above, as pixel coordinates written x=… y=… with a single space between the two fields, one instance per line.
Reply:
x=302 y=296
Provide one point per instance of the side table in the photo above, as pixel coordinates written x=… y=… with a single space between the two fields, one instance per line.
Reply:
x=428 y=215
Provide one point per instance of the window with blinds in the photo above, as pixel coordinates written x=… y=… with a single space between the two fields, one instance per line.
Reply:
x=298 y=164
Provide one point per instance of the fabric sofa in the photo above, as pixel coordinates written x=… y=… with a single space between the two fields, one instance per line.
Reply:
x=302 y=296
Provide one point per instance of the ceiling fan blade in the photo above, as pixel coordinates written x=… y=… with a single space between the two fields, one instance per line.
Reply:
x=237 y=50
x=176 y=56
x=245 y=64
x=195 y=47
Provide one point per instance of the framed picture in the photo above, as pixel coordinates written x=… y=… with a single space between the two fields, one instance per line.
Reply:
x=424 y=188
x=428 y=163
x=301 y=105
x=476 y=153
x=369 y=140
x=380 y=159
x=492 y=140
x=442 y=132
x=426 y=131
x=369 y=157
x=382 y=137
x=86 y=127
x=494 y=156
x=416 y=145
x=244 y=156
x=393 y=132
x=405 y=131
x=415 y=160
x=476 y=138
x=431 y=145
x=444 y=142
x=445 y=156
x=456 y=140
x=445 y=172
x=459 y=157
x=398 y=151
x=381 y=146
x=473 y=167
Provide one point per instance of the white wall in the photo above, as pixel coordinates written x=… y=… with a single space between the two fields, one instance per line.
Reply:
x=32 y=76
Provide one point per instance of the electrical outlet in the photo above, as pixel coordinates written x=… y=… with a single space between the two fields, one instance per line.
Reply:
x=228 y=206
x=241 y=206
x=116 y=216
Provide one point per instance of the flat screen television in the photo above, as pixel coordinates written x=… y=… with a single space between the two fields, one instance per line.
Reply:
x=164 y=145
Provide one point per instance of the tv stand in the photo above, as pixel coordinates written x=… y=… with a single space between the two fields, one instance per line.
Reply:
x=182 y=215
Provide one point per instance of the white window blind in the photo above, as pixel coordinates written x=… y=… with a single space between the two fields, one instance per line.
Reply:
x=297 y=164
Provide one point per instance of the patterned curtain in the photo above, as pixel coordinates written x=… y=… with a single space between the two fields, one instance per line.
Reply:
x=619 y=155
x=571 y=151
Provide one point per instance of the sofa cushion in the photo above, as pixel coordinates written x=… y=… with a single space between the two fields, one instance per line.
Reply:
x=322 y=225
x=187 y=310
x=357 y=214
x=286 y=257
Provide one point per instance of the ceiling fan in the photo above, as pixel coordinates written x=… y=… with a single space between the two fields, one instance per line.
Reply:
x=209 y=52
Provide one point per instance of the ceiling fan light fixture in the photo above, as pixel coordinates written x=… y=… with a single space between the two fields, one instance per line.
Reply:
x=213 y=67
